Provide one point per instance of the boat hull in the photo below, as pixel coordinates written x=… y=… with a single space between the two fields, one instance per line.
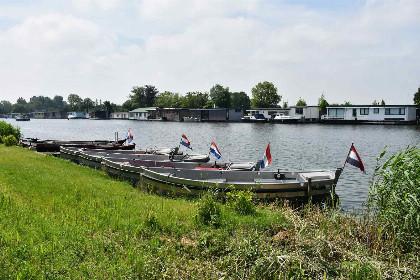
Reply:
x=263 y=185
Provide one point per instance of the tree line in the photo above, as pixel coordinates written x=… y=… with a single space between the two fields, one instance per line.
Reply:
x=264 y=95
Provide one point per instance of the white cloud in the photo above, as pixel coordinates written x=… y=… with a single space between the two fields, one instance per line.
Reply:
x=360 y=55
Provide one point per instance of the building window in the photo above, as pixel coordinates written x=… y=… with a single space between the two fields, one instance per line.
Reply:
x=376 y=110
x=336 y=113
x=394 y=111
x=364 y=111
x=299 y=111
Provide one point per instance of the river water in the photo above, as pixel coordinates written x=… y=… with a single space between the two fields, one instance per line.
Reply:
x=293 y=146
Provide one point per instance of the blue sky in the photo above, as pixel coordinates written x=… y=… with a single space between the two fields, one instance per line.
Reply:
x=356 y=51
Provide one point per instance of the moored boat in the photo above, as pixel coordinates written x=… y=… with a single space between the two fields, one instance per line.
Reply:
x=54 y=145
x=282 y=118
x=263 y=184
x=130 y=170
x=23 y=118
x=256 y=118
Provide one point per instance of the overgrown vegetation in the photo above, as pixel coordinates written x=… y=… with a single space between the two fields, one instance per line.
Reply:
x=63 y=221
x=9 y=134
x=394 y=200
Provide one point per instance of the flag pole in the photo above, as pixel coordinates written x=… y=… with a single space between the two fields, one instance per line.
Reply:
x=345 y=161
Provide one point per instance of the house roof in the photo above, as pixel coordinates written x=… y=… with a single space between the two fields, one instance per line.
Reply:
x=370 y=106
x=269 y=109
x=143 y=110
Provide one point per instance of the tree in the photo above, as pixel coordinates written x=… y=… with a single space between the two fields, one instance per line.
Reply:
x=58 y=102
x=416 y=98
x=150 y=92
x=264 y=95
x=346 y=103
x=168 y=99
x=301 y=102
x=5 y=107
x=21 y=101
x=240 y=100
x=18 y=108
x=322 y=103
x=285 y=104
x=74 y=102
x=194 y=100
x=108 y=106
x=382 y=102
x=220 y=96
x=138 y=98
x=87 y=104
x=375 y=102
x=127 y=106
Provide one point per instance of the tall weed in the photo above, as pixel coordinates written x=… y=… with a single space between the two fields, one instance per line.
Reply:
x=394 y=198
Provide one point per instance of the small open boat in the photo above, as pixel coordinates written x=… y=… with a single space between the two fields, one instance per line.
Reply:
x=54 y=145
x=263 y=184
x=130 y=170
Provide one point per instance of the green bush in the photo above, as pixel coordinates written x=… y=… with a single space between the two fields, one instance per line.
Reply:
x=241 y=202
x=209 y=210
x=394 y=198
x=7 y=129
x=9 y=140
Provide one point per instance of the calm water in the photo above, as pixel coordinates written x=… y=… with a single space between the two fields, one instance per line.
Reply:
x=310 y=146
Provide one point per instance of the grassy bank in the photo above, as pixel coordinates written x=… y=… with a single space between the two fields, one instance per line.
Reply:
x=60 y=220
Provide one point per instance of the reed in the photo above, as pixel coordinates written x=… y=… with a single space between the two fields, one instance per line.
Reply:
x=63 y=221
x=394 y=200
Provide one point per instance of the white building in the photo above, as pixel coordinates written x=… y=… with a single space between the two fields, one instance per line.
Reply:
x=120 y=115
x=308 y=113
x=371 y=113
x=141 y=114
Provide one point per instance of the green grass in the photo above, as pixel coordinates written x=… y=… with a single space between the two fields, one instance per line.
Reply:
x=59 y=221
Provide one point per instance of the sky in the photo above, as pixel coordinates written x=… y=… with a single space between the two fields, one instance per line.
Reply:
x=356 y=51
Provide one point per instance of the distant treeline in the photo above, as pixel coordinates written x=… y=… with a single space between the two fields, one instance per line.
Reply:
x=264 y=95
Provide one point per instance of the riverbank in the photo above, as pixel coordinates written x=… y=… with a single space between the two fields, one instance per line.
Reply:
x=60 y=220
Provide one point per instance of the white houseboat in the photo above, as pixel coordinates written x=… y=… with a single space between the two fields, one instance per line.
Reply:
x=403 y=114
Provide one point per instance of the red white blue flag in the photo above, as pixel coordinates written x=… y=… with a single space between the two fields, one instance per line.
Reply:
x=354 y=159
x=185 y=142
x=267 y=157
x=129 y=136
x=214 y=150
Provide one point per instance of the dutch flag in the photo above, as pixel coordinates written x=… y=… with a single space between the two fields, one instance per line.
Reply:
x=214 y=150
x=186 y=142
x=129 y=136
x=354 y=159
x=267 y=157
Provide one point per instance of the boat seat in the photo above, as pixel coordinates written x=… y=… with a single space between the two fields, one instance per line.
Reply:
x=322 y=175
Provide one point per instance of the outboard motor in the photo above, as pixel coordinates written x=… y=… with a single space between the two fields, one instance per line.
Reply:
x=258 y=166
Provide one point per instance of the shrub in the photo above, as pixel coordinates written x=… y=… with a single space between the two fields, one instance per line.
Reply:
x=10 y=140
x=394 y=198
x=7 y=129
x=241 y=202
x=209 y=210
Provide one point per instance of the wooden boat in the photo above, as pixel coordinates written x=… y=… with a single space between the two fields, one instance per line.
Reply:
x=54 y=145
x=296 y=185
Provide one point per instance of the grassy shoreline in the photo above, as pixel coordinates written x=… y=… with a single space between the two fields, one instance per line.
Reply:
x=59 y=220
